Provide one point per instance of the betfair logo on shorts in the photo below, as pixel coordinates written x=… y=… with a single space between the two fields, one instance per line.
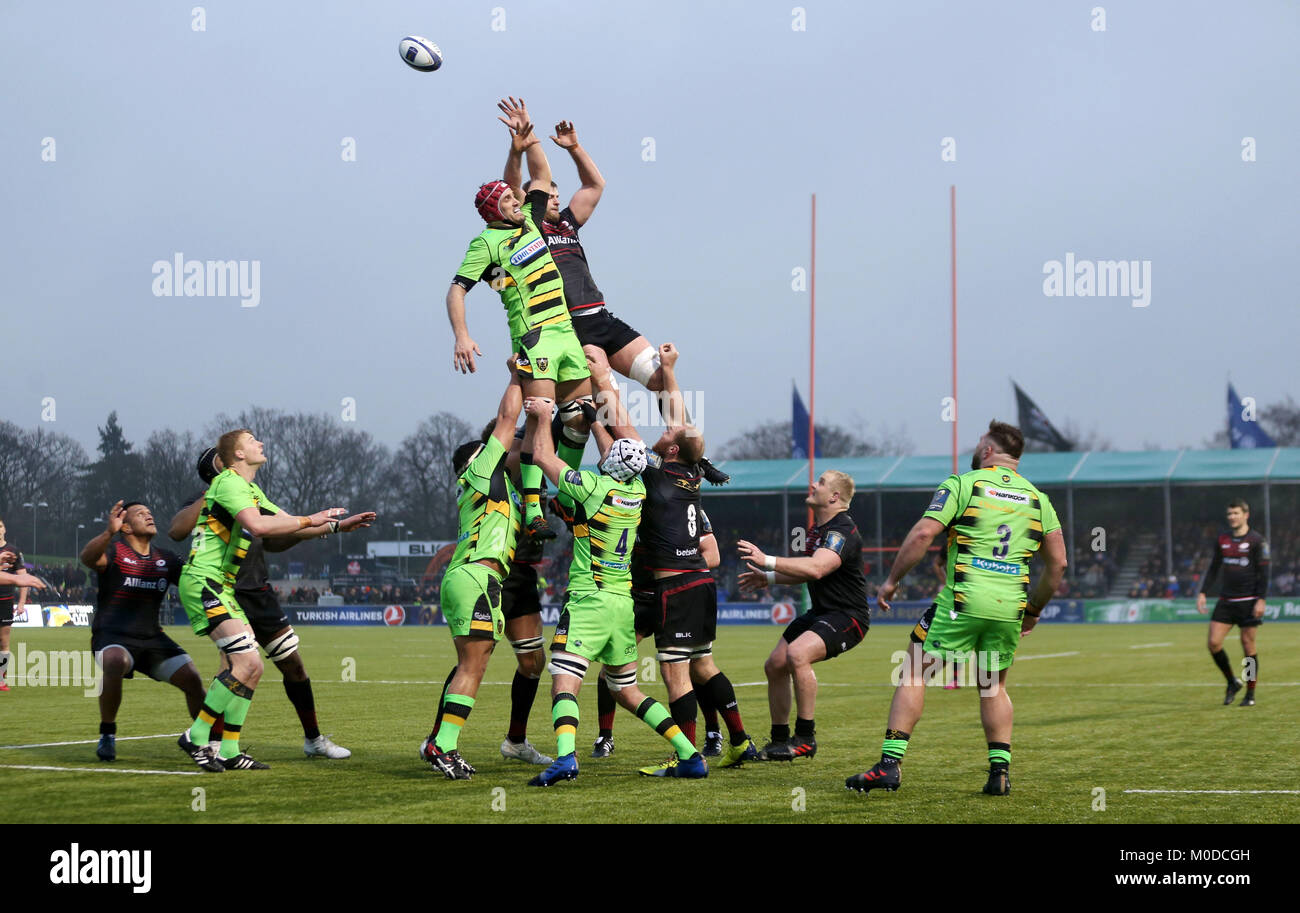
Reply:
x=1000 y=567
x=78 y=866
x=47 y=668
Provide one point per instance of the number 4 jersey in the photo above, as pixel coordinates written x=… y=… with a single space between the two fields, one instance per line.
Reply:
x=606 y=515
x=996 y=520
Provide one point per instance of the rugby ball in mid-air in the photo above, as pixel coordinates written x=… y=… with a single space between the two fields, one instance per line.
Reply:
x=420 y=53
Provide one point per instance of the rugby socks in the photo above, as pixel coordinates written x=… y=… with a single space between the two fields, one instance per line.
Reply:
x=218 y=699
x=605 y=708
x=523 y=691
x=530 y=476
x=653 y=714
x=781 y=733
x=707 y=709
x=218 y=728
x=437 y=720
x=721 y=697
x=241 y=697
x=1000 y=754
x=683 y=712
x=1252 y=672
x=301 y=697
x=895 y=746
x=455 y=711
x=564 y=716
x=1221 y=659
x=108 y=728
x=804 y=729
x=5 y=656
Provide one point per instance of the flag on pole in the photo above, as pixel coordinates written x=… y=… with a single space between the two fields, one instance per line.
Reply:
x=1035 y=425
x=1244 y=431
x=799 y=430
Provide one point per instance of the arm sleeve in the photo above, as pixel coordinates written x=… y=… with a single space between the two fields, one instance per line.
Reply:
x=534 y=209
x=477 y=262
x=566 y=215
x=1261 y=569
x=232 y=493
x=1051 y=523
x=943 y=505
x=577 y=484
x=1213 y=570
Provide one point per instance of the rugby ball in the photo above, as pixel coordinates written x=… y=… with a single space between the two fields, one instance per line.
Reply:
x=420 y=53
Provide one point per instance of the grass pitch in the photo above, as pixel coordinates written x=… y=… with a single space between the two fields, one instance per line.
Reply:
x=1120 y=707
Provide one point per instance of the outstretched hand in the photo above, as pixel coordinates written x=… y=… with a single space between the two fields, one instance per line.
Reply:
x=565 y=136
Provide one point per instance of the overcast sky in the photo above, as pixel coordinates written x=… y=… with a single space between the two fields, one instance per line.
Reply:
x=228 y=143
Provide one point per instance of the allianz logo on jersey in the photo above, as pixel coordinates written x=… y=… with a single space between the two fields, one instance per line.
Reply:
x=999 y=567
x=1002 y=494
x=146 y=583
x=524 y=253
x=629 y=503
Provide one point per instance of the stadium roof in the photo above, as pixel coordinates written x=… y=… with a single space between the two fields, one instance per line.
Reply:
x=1046 y=470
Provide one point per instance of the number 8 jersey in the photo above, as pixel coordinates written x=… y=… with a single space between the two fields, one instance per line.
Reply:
x=996 y=520
x=606 y=515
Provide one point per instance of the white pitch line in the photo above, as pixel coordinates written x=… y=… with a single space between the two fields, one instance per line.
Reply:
x=1020 y=659
x=1221 y=792
x=124 y=738
x=107 y=770
x=1167 y=643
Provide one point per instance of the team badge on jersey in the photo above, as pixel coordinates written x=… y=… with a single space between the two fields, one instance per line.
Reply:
x=939 y=500
x=834 y=542
x=573 y=477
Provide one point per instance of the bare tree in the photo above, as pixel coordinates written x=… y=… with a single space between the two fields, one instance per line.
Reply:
x=422 y=477
x=771 y=441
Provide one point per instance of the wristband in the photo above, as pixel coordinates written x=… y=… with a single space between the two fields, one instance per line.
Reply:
x=771 y=577
x=770 y=562
x=304 y=522
x=334 y=527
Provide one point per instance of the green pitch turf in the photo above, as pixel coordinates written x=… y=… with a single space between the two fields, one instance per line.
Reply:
x=1115 y=707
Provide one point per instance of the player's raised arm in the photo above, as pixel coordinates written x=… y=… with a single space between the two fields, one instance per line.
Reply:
x=516 y=121
x=183 y=523
x=512 y=401
x=93 y=555
x=346 y=525
x=671 y=403
x=539 y=170
x=544 y=455
x=584 y=199
x=21 y=579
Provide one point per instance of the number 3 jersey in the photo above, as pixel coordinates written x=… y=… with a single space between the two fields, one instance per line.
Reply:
x=672 y=523
x=996 y=520
x=605 y=518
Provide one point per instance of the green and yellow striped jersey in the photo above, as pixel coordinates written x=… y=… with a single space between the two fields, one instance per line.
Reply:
x=606 y=515
x=516 y=262
x=489 y=510
x=220 y=543
x=996 y=520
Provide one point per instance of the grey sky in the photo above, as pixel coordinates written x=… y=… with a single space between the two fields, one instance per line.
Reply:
x=225 y=143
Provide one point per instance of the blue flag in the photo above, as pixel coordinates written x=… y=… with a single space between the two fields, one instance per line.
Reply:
x=1244 y=432
x=799 y=430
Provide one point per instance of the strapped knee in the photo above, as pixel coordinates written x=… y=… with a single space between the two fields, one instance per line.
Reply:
x=702 y=651
x=617 y=681
x=567 y=664
x=575 y=424
x=674 y=655
x=644 y=366
x=282 y=647
x=242 y=642
x=527 y=645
